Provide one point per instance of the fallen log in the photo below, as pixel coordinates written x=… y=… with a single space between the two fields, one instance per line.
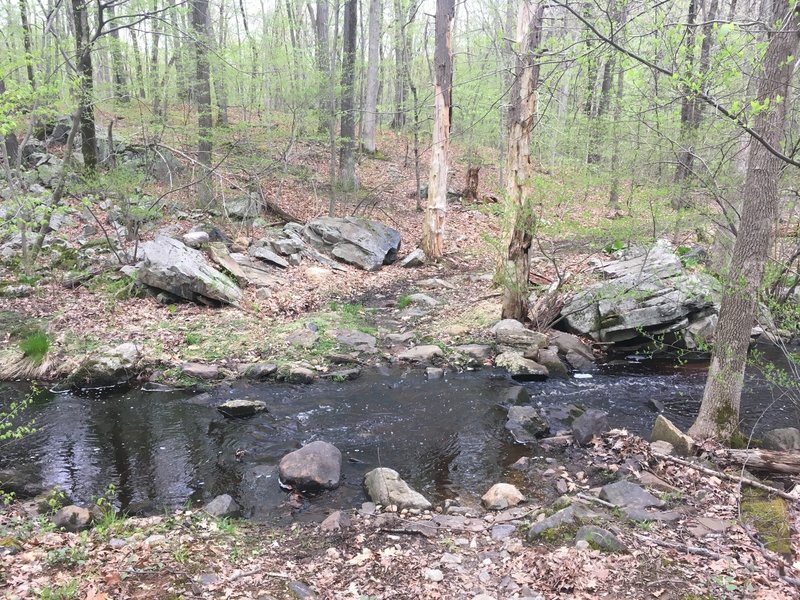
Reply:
x=765 y=460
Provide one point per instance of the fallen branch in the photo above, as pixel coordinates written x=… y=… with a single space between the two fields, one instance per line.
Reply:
x=681 y=547
x=723 y=475
x=766 y=460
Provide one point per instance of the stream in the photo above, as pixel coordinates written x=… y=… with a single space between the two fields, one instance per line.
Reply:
x=445 y=437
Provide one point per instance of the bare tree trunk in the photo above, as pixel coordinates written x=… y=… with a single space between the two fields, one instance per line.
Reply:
x=26 y=41
x=519 y=168
x=399 y=119
x=433 y=224
x=117 y=63
x=688 y=109
x=373 y=62
x=597 y=125
x=219 y=72
x=473 y=181
x=323 y=62
x=202 y=97
x=83 y=50
x=613 y=195
x=332 y=111
x=347 y=152
x=153 y=78
x=137 y=58
x=719 y=411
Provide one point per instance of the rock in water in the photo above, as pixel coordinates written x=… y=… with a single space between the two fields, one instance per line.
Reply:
x=223 y=506
x=501 y=496
x=386 y=487
x=520 y=367
x=591 y=423
x=421 y=354
x=172 y=266
x=72 y=518
x=665 y=431
x=313 y=468
x=526 y=424
x=354 y=240
x=107 y=368
x=241 y=408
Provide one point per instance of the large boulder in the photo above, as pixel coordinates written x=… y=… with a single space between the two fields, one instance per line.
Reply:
x=648 y=294
x=172 y=266
x=385 y=486
x=786 y=439
x=588 y=425
x=72 y=518
x=520 y=367
x=501 y=496
x=314 y=467
x=354 y=240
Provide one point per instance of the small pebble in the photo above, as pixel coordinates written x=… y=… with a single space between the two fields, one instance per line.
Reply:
x=434 y=575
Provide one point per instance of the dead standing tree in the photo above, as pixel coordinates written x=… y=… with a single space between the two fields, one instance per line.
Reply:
x=519 y=168
x=433 y=225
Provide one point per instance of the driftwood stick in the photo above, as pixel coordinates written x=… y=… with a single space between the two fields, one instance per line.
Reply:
x=596 y=500
x=729 y=477
x=680 y=547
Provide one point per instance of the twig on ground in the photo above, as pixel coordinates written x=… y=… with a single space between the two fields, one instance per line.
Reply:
x=680 y=547
x=729 y=477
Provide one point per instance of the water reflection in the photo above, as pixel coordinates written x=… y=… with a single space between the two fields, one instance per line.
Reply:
x=446 y=437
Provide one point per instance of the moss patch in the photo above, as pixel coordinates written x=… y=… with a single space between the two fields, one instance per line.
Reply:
x=770 y=517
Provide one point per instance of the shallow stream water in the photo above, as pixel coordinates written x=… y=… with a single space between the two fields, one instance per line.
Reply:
x=445 y=437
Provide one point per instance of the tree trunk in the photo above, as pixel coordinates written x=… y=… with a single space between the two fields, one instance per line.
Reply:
x=399 y=118
x=202 y=97
x=373 y=62
x=613 y=195
x=153 y=79
x=597 y=124
x=117 y=63
x=719 y=411
x=219 y=72
x=26 y=41
x=519 y=168
x=137 y=59
x=688 y=109
x=323 y=63
x=473 y=180
x=10 y=142
x=347 y=152
x=86 y=86
x=433 y=224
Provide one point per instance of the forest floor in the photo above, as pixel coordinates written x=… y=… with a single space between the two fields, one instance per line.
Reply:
x=708 y=553
x=100 y=313
x=190 y=555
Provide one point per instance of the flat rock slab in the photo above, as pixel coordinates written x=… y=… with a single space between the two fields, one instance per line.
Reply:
x=241 y=408
x=641 y=514
x=625 y=493
x=424 y=353
x=476 y=351
x=313 y=468
x=268 y=256
x=200 y=370
x=423 y=299
x=355 y=339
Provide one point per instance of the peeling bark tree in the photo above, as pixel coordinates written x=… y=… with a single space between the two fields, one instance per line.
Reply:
x=719 y=411
x=347 y=153
x=373 y=60
x=521 y=117
x=433 y=225
x=202 y=98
